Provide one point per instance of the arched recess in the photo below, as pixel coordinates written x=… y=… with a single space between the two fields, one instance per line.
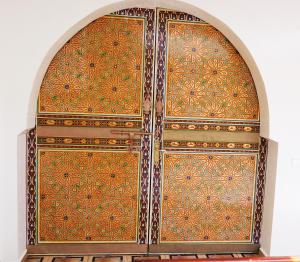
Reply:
x=177 y=117
x=180 y=5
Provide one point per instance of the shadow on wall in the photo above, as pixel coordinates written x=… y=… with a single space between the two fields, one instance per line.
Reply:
x=269 y=197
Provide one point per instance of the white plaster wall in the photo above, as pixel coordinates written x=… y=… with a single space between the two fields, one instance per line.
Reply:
x=33 y=30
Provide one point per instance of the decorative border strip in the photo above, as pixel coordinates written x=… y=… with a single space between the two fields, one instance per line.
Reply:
x=212 y=121
x=65 y=141
x=88 y=117
x=115 y=148
x=212 y=127
x=260 y=188
x=31 y=185
x=149 y=15
x=91 y=117
x=89 y=123
x=162 y=17
x=211 y=145
x=207 y=150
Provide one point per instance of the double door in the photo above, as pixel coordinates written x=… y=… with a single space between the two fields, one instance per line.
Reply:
x=147 y=138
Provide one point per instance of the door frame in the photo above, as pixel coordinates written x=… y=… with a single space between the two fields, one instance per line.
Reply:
x=31 y=169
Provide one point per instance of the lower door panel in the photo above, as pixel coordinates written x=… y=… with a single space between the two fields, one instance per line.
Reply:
x=89 y=196
x=206 y=202
x=207 y=197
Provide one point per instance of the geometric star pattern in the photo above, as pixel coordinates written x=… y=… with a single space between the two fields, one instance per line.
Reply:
x=206 y=76
x=98 y=71
x=207 y=197
x=88 y=196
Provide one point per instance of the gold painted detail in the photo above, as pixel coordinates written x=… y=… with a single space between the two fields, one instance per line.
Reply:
x=50 y=122
x=191 y=144
x=211 y=127
x=112 y=141
x=169 y=144
x=248 y=128
x=69 y=140
x=112 y=124
x=174 y=143
x=191 y=127
x=175 y=126
x=231 y=145
x=89 y=123
x=129 y=124
x=50 y=140
x=86 y=141
x=68 y=122
x=232 y=128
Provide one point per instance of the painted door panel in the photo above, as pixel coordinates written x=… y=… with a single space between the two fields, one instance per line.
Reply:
x=88 y=195
x=207 y=197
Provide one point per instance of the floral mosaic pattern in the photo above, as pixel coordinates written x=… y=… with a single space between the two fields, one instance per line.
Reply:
x=88 y=196
x=98 y=71
x=207 y=197
x=206 y=76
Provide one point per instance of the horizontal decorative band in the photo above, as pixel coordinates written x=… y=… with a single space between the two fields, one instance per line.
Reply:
x=211 y=145
x=212 y=121
x=92 y=147
x=225 y=127
x=87 y=141
x=206 y=150
x=95 y=117
x=89 y=123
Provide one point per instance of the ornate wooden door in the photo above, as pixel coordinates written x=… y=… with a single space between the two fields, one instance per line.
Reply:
x=143 y=146
x=94 y=134
x=206 y=140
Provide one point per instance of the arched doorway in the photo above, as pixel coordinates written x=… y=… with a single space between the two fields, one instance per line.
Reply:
x=147 y=140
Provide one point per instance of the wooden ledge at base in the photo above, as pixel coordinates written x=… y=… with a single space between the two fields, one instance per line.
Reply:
x=240 y=259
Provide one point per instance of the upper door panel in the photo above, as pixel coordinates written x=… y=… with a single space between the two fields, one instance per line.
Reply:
x=99 y=71
x=206 y=77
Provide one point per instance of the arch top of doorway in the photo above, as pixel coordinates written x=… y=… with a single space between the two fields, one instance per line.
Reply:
x=187 y=6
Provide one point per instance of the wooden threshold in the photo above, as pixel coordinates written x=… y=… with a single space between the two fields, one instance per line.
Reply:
x=240 y=259
x=203 y=248
x=87 y=249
